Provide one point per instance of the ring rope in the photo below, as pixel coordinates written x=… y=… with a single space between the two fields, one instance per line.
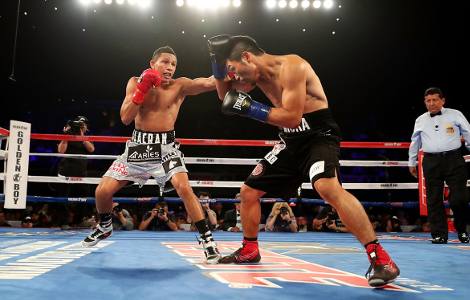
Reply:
x=227 y=184
x=204 y=142
x=235 y=161
x=133 y=200
x=218 y=184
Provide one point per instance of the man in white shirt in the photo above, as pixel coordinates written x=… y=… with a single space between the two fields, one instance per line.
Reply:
x=439 y=133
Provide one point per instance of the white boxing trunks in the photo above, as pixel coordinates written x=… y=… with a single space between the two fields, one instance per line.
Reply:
x=148 y=154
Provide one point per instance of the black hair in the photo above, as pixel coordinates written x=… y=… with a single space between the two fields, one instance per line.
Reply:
x=241 y=43
x=164 y=49
x=204 y=194
x=433 y=91
x=161 y=204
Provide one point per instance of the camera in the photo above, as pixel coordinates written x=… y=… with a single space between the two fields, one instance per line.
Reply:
x=160 y=211
x=74 y=127
x=330 y=218
x=76 y=124
x=283 y=210
x=117 y=209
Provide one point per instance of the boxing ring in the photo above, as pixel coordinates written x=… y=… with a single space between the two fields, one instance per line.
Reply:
x=50 y=263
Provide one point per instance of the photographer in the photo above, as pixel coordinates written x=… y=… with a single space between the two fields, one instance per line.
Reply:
x=27 y=222
x=122 y=219
x=75 y=167
x=209 y=214
x=232 y=219
x=328 y=220
x=281 y=218
x=158 y=219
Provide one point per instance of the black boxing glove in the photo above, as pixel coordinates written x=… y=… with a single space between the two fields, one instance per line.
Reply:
x=219 y=47
x=240 y=103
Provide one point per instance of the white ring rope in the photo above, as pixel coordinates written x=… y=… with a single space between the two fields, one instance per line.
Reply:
x=229 y=184
x=237 y=161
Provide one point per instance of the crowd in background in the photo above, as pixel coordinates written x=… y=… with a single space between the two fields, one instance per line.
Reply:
x=225 y=216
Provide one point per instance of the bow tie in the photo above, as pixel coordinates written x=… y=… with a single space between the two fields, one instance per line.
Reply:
x=435 y=114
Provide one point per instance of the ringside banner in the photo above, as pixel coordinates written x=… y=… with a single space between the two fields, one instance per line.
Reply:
x=16 y=178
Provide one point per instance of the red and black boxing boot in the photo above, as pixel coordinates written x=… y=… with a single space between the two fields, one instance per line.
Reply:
x=383 y=267
x=247 y=254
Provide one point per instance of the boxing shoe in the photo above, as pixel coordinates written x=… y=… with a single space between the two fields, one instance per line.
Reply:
x=210 y=249
x=383 y=267
x=463 y=237
x=439 y=240
x=100 y=233
x=247 y=254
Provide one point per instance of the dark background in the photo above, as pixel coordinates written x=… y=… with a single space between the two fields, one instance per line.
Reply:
x=374 y=69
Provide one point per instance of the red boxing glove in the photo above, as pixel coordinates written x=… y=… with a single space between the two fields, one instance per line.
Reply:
x=149 y=78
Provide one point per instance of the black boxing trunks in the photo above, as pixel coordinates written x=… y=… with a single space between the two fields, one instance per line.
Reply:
x=306 y=153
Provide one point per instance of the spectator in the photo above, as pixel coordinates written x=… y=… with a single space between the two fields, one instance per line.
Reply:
x=218 y=207
x=439 y=132
x=75 y=167
x=122 y=219
x=27 y=222
x=393 y=225
x=281 y=218
x=158 y=219
x=328 y=220
x=232 y=219
x=3 y=221
x=182 y=222
x=209 y=214
x=302 y=224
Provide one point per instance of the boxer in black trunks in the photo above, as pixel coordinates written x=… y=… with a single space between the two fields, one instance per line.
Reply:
x=309 y=142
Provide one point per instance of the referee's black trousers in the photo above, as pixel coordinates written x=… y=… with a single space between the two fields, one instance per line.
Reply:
x=450 y=168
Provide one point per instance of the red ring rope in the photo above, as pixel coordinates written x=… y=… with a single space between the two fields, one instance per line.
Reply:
x=206 y=142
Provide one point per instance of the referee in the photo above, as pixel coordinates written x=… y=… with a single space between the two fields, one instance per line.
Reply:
x=439 y=133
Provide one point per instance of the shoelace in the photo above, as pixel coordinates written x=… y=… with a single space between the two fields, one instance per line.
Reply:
x=373 y=258
x=205 y=241
x=210 y=249
x=96 y=233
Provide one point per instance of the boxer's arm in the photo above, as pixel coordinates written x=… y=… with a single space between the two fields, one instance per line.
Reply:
x=129 y=109
x=293 y=78
x=197 y=86
x=223 y=86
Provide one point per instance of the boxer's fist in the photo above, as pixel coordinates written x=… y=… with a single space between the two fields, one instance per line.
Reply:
x=219 y=47
x=147 y=79
x=240 y=103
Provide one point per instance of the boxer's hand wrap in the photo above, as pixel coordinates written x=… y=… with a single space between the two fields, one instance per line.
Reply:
x=240 y=103
x=149 y=78
x=219 y=46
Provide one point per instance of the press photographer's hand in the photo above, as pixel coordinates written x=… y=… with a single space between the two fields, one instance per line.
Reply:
x=285 y=217
x=284 y=213
x=117 y=210
x=162 y=215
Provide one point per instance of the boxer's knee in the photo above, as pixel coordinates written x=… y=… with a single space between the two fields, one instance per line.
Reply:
x=329 y=189
x=250 y=195
x=183 y=188
x=103 y=191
